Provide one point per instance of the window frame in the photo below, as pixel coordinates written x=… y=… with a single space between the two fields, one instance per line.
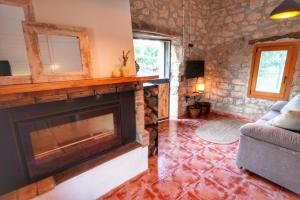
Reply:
x=167 y=54
x=289 y=69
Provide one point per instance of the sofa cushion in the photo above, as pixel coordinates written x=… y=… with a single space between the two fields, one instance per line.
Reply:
x=278 y=106
x=278 y=136
x=294 y=104
x=270 y=115
x=289 y=121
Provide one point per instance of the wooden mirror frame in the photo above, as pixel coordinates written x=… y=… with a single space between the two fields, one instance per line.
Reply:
x=31 y=31
x=29 y=17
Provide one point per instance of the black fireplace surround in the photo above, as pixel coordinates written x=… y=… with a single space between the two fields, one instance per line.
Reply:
x=41 y=140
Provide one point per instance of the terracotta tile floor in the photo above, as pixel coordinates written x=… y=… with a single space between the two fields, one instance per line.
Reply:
x=188 y=167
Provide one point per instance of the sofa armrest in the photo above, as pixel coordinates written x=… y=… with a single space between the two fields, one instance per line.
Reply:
x=273 y=135
x=279 y=105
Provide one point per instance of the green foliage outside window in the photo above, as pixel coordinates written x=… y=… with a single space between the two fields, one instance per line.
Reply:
x=149 y=54
x=271 y=69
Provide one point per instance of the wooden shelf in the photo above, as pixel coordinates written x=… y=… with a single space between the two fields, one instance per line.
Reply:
x=38 y=87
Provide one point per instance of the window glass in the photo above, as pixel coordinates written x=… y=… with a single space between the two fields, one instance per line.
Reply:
x=271 y=71
x=152 y=56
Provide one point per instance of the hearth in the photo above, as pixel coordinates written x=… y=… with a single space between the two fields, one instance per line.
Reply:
x=52 y=137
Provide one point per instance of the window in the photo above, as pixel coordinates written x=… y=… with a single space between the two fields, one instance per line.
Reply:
x=272 y=70
x=153 y=57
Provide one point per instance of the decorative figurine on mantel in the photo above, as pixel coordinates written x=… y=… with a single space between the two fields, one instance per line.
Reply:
x=125 y=68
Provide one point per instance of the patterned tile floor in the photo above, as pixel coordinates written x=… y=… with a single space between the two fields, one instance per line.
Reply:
x=189 y=168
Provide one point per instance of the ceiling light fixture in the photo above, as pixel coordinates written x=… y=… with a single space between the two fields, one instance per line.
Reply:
x=287 y=9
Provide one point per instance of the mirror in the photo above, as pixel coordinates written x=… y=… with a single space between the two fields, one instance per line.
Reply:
x=57 y=52
x=13 y=53
x=60 y=54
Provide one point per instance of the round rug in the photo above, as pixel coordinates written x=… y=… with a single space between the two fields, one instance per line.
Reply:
x=220 y=131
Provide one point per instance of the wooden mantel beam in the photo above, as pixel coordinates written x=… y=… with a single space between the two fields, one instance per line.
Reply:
x=39 y=87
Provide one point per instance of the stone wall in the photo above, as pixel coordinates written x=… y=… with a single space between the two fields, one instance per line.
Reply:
x=231 y=24
x=220 y=31
x=176 y=18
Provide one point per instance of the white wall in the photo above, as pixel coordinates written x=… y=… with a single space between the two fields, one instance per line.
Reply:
x=108 y=22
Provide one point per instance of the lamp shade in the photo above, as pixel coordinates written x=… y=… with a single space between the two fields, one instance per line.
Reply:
x=287 y=9
x=200 y=87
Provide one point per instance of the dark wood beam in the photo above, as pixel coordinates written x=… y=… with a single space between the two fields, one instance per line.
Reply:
x=294 y=35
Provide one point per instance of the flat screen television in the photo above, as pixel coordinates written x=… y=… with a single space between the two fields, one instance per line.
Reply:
x=194 y=69
x=5 y=68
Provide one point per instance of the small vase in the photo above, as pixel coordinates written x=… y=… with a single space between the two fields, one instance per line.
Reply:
x=116 y=72
x=125 y=71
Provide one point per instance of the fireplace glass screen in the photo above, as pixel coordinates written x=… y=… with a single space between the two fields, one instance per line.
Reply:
x=75 y=134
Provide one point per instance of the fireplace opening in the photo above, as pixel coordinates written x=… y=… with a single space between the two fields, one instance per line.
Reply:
x=58 y=135
x=57 y=139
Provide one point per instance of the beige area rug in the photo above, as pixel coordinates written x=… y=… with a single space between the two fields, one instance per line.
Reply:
x=221 y=130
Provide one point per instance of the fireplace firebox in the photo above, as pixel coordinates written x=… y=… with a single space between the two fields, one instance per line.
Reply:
x=52 y=137
x=54 y=142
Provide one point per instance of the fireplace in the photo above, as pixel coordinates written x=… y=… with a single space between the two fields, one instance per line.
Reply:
x=52 y=137
x=54 y=142
x=74 y=131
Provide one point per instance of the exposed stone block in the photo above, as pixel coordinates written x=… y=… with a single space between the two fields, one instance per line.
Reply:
x=239 y=81
x=237 y=94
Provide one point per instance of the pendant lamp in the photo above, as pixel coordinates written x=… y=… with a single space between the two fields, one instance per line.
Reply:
x=287 y=9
